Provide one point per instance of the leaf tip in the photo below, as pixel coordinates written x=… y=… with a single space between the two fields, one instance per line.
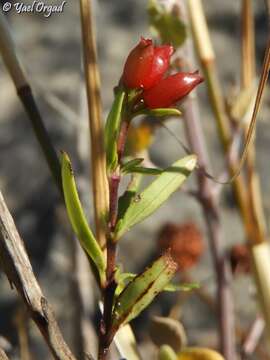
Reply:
x=170 y=262
x=191 y=162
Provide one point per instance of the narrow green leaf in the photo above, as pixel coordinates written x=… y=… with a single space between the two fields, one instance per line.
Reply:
x=141 y=291
x=146 y=171
x=77 y=217
x=163 y=112
x=181 y=287
x=129 y=195
x=167 y=25
x=124 y=278
x=125 y=168
x=144 y=204
x=112 y=128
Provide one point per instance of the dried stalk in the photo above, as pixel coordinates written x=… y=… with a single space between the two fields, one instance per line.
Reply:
x=15 y=263
x=207 y=58
x=24 y=91
x=248 y=78
x=3 y=355
x=248 y=44
x=22 y=322
x=98 y=160
x=211 y=213
x=250 y=208
x=253 y=337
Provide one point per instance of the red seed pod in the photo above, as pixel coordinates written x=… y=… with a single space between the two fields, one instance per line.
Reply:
x=170 y=90
x=146 y=64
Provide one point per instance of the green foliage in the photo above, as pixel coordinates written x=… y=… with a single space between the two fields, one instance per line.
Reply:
x=77 y=217
x=124 y=278
x=127 y=167
x=146 y=203
x=181 y=287
x=166 y=353
x=112 y=129
x=146 y=171
x=161 y=112
x=166 y=25
x=141 y=291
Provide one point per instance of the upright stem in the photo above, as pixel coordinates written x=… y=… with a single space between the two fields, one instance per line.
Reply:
x=207 y=57
x=212 y=218
x=106 y=333
x=98 y=159
x=24 y=91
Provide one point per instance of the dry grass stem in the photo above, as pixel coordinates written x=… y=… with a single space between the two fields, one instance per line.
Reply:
x=98 y=160
x=15 y=263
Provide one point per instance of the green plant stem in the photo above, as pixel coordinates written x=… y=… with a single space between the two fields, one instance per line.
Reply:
x=106 y=331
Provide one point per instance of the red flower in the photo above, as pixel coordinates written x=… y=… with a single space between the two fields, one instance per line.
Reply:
x=146 y=64
x=170 y=90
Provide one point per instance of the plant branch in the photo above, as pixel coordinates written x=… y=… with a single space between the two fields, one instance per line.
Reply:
x=212 y=215
x=25 y=94
x=3 y=355
x=207 y=57
x=106 y=332
x=98 y=158
x=16 y=265
x=253 y=337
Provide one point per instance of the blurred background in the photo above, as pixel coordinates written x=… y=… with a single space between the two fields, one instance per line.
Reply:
x=50 y=51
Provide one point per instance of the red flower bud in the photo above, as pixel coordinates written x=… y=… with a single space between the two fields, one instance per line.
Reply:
x=146 y=64
x=170 y=90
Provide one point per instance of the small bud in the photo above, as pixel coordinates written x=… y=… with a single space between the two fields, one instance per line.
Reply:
x=171 y=89
x=146 y=64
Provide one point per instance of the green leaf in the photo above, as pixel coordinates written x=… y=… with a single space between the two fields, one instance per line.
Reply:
x=123 y=278
x=161 y=112
x=166 y=353
x=129 y=195
x=146 y=171
x=181 y=287
x=112 y=128
x=125 y=168
x=77 y=217
x=141 y=291
x=167 y=25
x=144 y=204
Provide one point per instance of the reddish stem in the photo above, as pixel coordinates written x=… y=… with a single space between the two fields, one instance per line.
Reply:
x=106 y=331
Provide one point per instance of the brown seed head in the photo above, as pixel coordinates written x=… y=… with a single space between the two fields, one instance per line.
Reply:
x=185 y=241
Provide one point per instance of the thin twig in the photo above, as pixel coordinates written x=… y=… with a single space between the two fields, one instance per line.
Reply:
x=253 y=337
x=22 y=323
x=18 y=269
x=207 y=57
x=98 y=159
x=3 y=355
x=7 y=50
x=212 y=216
